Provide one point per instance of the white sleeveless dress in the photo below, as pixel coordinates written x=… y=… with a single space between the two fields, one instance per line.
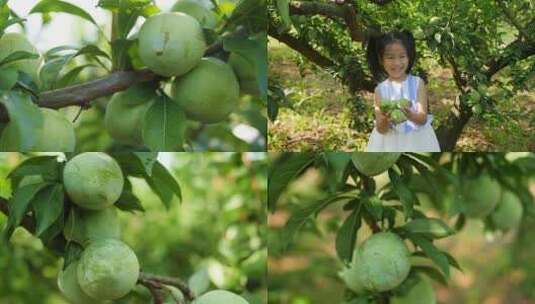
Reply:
x=406 y=136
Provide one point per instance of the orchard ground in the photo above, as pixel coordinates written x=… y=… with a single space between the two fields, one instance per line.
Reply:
x=318 y=115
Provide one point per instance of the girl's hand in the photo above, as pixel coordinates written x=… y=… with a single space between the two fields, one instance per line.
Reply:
x=382 y=122
x=415 y=116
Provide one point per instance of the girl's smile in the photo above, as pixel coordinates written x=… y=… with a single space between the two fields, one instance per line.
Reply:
x=395 y=61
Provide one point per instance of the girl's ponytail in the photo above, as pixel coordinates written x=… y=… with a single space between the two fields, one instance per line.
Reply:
x=410 y=46
x=372 y=56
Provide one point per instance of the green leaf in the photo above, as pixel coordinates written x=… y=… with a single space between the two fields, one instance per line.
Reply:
x=18 y=206
x=46 y=166
x=70 y=77
x=283 y=8
x=250 y=13
x=432 y=273
x=128 y=201
x=73 y=251
x=47 y=206
x=16 y=56
x=406 y=196
x=430 y=227
x=25 y=116
x=8 y=78
x=338 y=162
x=49 y=6
x=164 y=126
x=147 y=159
x=254 y=51
x=51 y=69
x=162 y=181
x=432 y=252
x=347 y=235
x=301 y=216
x=285 y=168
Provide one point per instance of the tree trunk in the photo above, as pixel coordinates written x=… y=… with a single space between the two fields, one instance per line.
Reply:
x=449 y=132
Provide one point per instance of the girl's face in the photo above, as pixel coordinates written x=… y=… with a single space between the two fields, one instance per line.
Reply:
x=395 y=60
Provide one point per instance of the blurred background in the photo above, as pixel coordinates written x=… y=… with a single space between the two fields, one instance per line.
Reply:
x=497 y=267
x=216 y=236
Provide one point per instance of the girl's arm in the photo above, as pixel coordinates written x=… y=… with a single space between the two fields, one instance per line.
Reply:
x=381 y=120
x=419 y=116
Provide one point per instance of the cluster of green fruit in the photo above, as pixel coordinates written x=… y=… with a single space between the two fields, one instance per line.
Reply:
x=480 y=197
x=170 y=44
x=483 y=197
x=393 y=108
x=382 y=263
x=107 y=269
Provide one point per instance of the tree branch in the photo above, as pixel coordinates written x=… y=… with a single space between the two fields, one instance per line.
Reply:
x=82 y=94
x=515 y=51
x=302 y=47
x=345 y=11
x=155 y=283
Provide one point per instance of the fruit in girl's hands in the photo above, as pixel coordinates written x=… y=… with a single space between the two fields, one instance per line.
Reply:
x=404 y=103
x=374 y=163
x=397 y=116
x=387 y=106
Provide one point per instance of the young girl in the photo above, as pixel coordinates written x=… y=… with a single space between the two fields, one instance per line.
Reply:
x=392 y=56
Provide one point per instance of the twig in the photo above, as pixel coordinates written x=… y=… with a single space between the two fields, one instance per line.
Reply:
x=156 y=280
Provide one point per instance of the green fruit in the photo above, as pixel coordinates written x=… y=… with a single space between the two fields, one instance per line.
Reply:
x=56 y=134
x=421 y=293
x=479 y=196
x=508 y=213
x=209 y=92
x=353 y=278
x=397 y=116
x=12 y=42
x=404 y=103
x=382 y=262
x=68 y=285
x=171 y=44
x=83 y=226
x=125 y=113
x=374 y=163
x=204 y=16
x=387 y=106
x=108 y=269
x=219 y=297
x=93 y=180
x=245 y=71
